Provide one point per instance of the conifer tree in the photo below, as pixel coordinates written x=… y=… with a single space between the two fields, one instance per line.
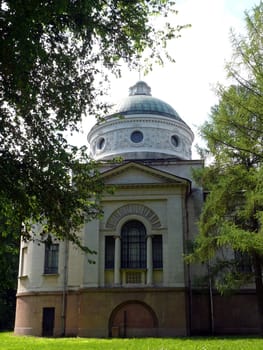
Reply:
x=231 y=223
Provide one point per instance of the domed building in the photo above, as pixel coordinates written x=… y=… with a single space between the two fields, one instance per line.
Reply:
x=141 y=127
x=139 y=284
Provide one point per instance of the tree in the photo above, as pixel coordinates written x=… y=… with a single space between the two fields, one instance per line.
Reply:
x=231 y=223
x=55 y=60
x=8 y=269
x=56 y=57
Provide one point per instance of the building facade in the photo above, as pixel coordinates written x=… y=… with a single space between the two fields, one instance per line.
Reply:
x=137 y=284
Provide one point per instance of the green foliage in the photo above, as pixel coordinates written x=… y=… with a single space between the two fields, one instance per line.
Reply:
x=56 y=57
x=8 y=270
x=231 y=222
x=10 y=342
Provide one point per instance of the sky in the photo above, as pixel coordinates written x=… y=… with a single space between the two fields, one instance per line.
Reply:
x=200 y=54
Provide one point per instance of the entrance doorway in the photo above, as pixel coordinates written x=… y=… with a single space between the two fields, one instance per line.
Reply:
x=133 y=319
x=48 y=321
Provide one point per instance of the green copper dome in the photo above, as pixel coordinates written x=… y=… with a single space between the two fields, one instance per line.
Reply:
x=140 y=101
x=141 y=127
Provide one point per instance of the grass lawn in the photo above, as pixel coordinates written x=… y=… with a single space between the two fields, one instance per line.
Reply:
x=8 y=341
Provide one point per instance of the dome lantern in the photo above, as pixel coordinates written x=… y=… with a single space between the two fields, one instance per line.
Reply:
x=140 y=88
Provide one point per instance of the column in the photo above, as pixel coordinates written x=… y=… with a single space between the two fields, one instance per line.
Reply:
x=117 y=260
x=149 y=260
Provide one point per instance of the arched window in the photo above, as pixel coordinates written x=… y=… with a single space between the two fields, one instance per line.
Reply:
x=133 y=245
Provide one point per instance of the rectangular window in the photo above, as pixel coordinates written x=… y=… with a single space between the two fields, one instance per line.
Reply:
x=133 y=245
x=109 y=252
x=51 y=258
x=157 y=246
x=23 y=269
x=243 y=262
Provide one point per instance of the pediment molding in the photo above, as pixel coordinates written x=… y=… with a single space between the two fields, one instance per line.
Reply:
x=158 y=174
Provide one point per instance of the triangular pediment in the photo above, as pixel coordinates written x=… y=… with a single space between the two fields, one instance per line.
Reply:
x=136 y=173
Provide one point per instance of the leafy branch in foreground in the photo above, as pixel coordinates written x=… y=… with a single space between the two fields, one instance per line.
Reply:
x=56 y=58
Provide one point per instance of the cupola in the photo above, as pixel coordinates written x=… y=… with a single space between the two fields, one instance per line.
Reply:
x=141 y=127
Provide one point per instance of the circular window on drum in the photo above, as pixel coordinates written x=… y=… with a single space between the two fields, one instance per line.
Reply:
x=137 y=136
x=101 y=143
x=175 y=140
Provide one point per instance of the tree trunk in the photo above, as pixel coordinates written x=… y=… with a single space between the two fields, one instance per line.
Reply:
x=259 y=289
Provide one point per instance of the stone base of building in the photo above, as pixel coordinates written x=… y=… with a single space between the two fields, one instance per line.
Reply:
x=232 y=314
x=123 y=312
x=99 y=312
